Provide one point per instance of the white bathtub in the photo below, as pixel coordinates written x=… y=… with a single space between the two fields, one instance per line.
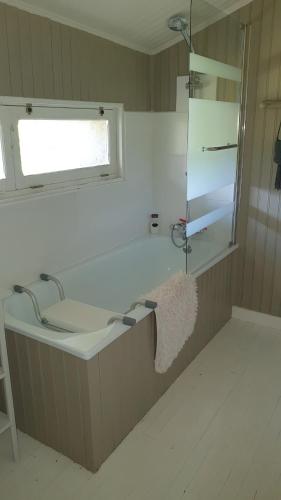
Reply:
x=112 y=281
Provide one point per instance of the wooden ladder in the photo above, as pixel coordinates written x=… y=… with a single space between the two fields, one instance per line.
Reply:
x=7 y=420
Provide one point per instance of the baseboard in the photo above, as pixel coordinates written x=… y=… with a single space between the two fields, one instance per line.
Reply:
x=256 y=317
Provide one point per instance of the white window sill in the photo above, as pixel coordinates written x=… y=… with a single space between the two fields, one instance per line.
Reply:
x=27 y=194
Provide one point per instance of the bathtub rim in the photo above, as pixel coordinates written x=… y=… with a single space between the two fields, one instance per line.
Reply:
x=104 y=337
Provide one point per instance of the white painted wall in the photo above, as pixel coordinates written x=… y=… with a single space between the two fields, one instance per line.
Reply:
x=52 y=233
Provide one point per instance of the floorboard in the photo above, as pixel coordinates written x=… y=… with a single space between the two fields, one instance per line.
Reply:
x=214 y=435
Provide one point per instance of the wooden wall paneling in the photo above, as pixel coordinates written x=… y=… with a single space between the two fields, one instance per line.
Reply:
x=66 y=57
x=117 y=391
x=26 y=54
x=173 y=68
x=142 y=78
x=92 y=414
x=251 y=71
x=241 y=258
x=275 y=290
x=15 y=375
x=47 y=390
x=12 y=27
x=37 y=57
x=264 y=234
x=262 y=179
x=36 y=387
x=77 y=57
x=57 y=63
x=47 y=60
x=253 y=225
x=5 y=80
x=95 y=84
x=155 y=83
x=270 y=255
x=27 y=420
x=42 y=58
x=74 y=406
x=183 y=59
x=86 y=66
x=147 y=386
x=60 y=401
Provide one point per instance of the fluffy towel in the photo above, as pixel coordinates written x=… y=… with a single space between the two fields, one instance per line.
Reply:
x=175 y=317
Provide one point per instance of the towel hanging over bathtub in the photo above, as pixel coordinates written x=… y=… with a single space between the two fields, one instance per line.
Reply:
x=176 y=312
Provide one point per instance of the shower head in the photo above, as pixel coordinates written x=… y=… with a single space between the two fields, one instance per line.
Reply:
x=179 y=23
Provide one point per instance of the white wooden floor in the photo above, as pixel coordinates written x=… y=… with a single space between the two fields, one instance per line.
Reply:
x=216 y=434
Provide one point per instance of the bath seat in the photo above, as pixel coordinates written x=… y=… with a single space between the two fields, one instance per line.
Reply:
x=77 y=316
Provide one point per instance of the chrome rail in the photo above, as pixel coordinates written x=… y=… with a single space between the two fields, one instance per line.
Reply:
x=22 y=289
x=219 y=148
x=149 y=304
x=43 y=321
x=126 y=320
x=48 y=277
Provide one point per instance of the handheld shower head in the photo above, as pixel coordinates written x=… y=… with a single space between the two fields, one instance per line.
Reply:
x=179 y=23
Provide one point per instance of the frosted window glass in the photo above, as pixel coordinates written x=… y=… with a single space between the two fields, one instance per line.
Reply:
x=58 y=145
x=211 y=124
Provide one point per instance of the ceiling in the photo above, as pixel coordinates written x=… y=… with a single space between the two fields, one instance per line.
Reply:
x=139 y=24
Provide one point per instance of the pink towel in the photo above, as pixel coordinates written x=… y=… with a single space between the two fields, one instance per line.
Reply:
x=175 y=317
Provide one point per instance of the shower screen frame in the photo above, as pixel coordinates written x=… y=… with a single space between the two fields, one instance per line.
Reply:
x=245 y=40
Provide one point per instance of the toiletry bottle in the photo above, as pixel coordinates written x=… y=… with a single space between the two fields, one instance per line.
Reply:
x=154 y=223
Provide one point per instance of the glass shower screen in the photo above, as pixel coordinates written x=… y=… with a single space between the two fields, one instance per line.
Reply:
x=213 y=126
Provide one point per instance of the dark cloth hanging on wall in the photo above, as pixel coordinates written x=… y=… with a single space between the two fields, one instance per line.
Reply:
x=277 y=159
x=278 y=178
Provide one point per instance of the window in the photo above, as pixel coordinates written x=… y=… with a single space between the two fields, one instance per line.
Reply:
x=56 y=145
x=52 y=144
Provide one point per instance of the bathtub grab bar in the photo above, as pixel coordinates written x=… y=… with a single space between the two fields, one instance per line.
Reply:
x=22 y=289
x=48 y=277
x=149 y=304
x=126 y=320
x=40 y=319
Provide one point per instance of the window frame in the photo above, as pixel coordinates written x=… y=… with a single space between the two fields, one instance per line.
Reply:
x=14 y=109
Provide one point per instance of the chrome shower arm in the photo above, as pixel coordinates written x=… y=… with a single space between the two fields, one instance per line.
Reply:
x=188 y=40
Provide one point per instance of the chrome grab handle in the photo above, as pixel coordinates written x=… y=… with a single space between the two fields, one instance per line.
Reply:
x=48 y=277
x=126 y=320
x=22 y=289
x=38 y=315
x=219 y=148
x=149 y=304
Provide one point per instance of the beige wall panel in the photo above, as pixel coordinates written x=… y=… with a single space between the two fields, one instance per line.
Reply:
x=41 y=58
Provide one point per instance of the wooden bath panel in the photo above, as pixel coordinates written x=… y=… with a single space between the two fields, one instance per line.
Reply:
x=84 y=409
